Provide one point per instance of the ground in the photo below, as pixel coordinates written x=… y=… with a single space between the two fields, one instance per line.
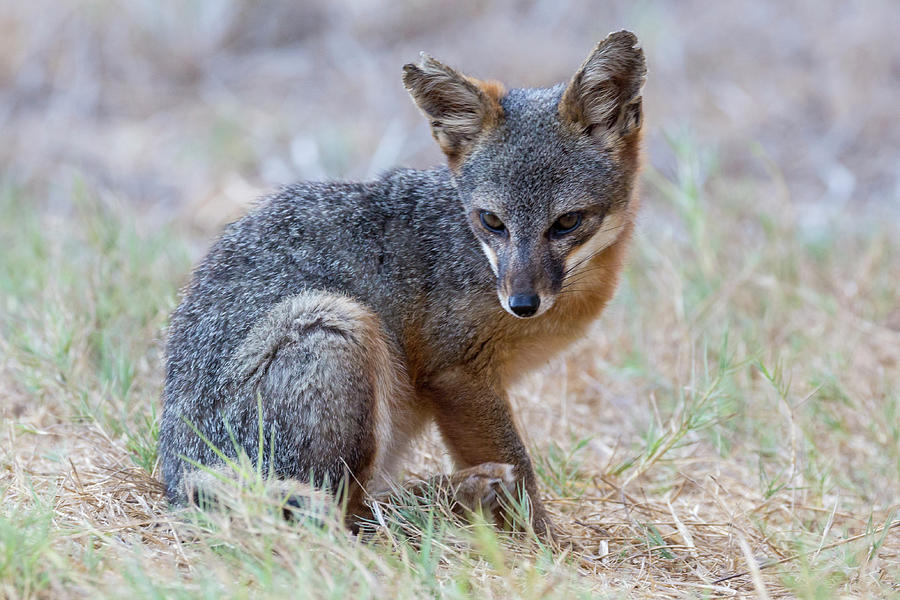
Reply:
x=729 y=427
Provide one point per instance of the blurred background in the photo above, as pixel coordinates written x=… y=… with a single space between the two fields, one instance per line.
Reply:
x=746 y=376
x=188 y=110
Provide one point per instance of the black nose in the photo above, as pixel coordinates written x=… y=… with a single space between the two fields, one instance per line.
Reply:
x=524 y=305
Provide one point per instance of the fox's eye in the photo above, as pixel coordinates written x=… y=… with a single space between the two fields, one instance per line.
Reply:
x=492 y=222
x=567 y=223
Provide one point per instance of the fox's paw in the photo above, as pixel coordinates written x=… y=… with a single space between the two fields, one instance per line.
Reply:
x=486 y=487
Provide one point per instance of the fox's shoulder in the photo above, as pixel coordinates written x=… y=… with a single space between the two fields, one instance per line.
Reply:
x=397 y=192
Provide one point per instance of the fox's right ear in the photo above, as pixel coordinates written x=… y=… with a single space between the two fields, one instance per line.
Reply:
x=604 y=97
x=459 y=108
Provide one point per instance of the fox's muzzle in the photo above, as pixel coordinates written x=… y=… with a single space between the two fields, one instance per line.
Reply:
x=525 y=288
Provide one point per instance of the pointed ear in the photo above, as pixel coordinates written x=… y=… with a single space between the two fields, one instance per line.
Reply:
x=603 y=99
x=459 y=108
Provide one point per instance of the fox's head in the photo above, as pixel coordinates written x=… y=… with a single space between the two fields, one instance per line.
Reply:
x=545 y=175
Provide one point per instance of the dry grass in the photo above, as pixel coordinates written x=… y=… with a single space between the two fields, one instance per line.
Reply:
x=730 y=428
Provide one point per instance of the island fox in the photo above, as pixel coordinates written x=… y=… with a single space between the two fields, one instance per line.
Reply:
x=336 y=320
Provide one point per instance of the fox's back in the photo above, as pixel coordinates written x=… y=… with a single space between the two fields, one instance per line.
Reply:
x=397 y=245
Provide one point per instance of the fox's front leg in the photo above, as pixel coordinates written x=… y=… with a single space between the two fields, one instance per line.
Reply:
x=475 y=419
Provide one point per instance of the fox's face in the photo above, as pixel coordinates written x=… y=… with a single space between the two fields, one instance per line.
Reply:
x=544 y=175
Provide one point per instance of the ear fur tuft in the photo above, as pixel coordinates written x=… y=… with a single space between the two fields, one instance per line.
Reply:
x=603 y=98
x=459 y=108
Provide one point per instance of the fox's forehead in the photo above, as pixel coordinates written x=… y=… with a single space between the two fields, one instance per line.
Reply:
x=532 y=107
x=532 y=162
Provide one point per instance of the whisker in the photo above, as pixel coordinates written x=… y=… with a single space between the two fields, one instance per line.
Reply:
x=582 y=275
x=593 y=254
x=581 y=291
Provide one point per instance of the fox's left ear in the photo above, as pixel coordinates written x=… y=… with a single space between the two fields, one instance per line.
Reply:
x=603 y=99
x=459 y=108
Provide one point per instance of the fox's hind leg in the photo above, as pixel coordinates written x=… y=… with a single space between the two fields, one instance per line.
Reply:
x=317 y=385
